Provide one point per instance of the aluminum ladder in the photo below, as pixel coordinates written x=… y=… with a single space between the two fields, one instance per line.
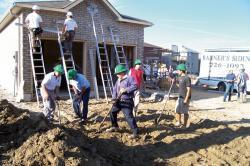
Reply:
x=38 y=68
x=103 y=59
x=119 y=50
x=67 y=60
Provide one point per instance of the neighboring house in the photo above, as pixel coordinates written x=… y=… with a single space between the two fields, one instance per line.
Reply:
x=14 y=39
x=184 y=55
x=152 y=53
x=191 y=58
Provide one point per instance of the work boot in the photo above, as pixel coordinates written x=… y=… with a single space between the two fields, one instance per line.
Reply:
x=112 y=129
x=134 y=135
x=177 y=124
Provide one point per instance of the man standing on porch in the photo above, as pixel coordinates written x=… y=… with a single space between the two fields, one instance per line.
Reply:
x=50 y=90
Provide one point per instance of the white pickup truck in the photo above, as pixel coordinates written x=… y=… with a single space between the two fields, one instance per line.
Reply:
x=215 y=64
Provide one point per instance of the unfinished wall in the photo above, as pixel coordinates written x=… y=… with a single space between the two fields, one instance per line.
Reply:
x=8 y=47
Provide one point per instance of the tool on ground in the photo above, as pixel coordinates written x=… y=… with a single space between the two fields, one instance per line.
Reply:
x=168 y=96
x=115 y=101
x=58 y=112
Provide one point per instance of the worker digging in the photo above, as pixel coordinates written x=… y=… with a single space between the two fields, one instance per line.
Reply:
x=50 y=91
x=84 y=63
x=124 y=88
x=81 y=89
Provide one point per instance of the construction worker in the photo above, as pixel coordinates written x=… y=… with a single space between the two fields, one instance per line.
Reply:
x=242 y=84
x=33 y=21
x=50 y=90
x=230 y=79
x=81 y=88
x=182 y=103
x=137 y=73
x=68 y=31
x=122 y=96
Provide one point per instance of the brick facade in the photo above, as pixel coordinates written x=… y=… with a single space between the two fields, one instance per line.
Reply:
x=131 y=34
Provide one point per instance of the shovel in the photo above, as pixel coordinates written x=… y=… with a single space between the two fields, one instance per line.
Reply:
x=116 y=100
x=58 y=111
x=169 y=91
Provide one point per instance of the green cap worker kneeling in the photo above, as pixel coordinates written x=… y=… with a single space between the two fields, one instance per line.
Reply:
x=122 y=95
x=50 y=90
x=182 y=104
x=81 y=87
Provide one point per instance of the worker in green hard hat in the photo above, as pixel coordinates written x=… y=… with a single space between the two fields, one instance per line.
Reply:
x=81 y=88
x=137 y=73
x=50 y=90
x=182 y=103
x=122 y=96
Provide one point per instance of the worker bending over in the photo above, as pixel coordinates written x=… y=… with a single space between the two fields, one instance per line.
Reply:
x=81 y=88
x=50 y=90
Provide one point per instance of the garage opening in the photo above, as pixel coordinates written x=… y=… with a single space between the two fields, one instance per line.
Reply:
x=52 y=57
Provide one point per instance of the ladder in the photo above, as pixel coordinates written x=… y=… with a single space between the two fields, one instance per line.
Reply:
x=38 y=68
x=119 y=50
x=102 y=56
x=67 y=60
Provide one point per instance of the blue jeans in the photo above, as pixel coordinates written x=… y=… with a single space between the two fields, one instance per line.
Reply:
x=83 y=114
x=229 y=91
x=49 y=105
x=127 y=109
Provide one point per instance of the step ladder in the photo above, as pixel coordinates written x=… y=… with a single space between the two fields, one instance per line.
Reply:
x=38 y=68
x=102 y=55
x=67 y=59
x=119 y=50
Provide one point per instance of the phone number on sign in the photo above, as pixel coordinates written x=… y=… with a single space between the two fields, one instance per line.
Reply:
x=228 y=65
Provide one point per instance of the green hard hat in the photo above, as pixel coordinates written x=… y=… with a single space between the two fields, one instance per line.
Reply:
x=137 y=62
x=72 y=74
x=59 y=69
x=181 y=67
x=120 y=69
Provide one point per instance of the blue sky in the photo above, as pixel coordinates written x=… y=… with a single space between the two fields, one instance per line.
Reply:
x=197 y=24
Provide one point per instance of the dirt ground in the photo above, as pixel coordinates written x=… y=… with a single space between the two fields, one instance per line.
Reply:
x=218 y=134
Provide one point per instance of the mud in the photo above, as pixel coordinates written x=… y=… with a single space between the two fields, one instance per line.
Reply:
x=27 y=139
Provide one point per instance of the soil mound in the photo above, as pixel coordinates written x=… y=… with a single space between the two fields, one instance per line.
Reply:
x=27 y=139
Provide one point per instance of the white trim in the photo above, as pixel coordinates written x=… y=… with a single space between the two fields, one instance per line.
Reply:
x=135 y=22
x=73 y=4
x=42 y=8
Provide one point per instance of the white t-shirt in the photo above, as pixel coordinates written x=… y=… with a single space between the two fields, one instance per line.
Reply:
x=70 y=24
x=34 y=20
x=50 y=81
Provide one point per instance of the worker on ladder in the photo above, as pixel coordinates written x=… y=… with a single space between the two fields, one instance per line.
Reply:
x=68 y=31
x=33 y=21
x=81 y=88
x=50 y=90
x=122 y=96
x=137 y=73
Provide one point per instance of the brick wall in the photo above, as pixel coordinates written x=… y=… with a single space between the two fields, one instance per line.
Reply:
x=131 y=34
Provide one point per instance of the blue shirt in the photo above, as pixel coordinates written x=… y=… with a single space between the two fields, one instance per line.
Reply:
x=80 y=82
x=129 y=84
x=230 y=77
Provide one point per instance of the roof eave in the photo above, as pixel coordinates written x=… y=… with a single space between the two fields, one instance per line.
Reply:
x=16 y=9
x=147 y=24
x=9 y=16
